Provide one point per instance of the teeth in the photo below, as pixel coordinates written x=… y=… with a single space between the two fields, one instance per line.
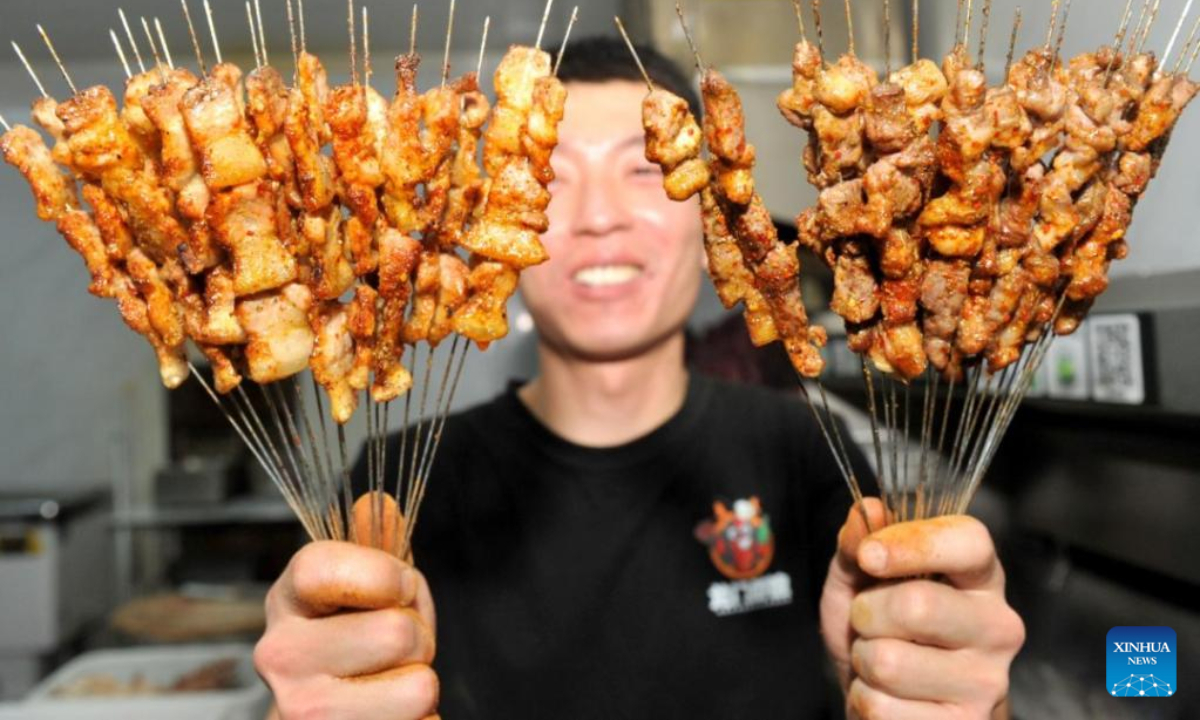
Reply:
x=605 y=275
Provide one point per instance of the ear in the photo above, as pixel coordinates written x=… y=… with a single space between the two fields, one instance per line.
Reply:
x=720 y=511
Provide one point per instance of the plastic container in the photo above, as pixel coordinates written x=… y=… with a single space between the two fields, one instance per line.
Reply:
x=161 y=666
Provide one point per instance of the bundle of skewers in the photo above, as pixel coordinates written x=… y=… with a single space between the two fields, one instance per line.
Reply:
x=966 y=225
x=209 y=207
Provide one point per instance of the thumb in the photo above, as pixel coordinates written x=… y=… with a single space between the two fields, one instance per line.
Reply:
x=379 y=524
x=864 y=518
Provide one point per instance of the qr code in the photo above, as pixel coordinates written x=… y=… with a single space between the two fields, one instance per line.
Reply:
x=1116 y=359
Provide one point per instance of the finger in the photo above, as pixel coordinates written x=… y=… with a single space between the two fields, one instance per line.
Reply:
x=856 y=529
x=915 y=672
x=378 y=523
x=933 y=613
x=361 y=643
x=324 y=577
x=868 y=703
x=409 y=692
x=958 y=547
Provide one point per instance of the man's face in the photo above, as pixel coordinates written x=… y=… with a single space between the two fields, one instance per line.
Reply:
x=625 y=264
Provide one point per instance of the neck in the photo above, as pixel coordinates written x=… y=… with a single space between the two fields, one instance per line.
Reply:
x=605 y=404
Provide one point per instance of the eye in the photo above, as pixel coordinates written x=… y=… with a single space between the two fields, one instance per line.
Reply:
x=645 y=170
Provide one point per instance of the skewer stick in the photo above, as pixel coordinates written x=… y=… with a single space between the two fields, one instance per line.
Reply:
x=1137 y=28
x=303 y=34
x=353 y=42
x=29 y=69
x=562 y=49
x=1062 y=30
x=1012 y=41
x=366 y=25
x=800 y=20
x=1192 y=60
x=253 y=36
x=966 y=33
x=262 y=36
x=1178 y=28
x=633 y=51
x=4 y=122
x=153 y=45
x=887 y=37
x=1187 y=47
x=187 y=16
x=412 y=33
x=916 y=33
x=983 y=33
x=446 y=52
x=487 y=25
x=162 y=40
x=958 y=23
x=1141 y=41
x=120 y=52
x=1119 y=40
x=687 y=34
x=542 y=27
x=850 y=26
x=212 y=32
x=57 y=60
x=132 y=43
x=292 y=34
x=816 y=8
x=1053 y=22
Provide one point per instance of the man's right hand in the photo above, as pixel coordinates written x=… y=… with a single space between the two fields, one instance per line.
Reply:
x=350 y=634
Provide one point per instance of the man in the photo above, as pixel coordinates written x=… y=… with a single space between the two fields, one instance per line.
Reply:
x=619 y=538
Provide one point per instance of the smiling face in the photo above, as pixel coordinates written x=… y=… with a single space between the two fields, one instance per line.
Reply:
x=625 y=261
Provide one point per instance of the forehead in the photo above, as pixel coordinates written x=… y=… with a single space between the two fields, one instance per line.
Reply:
x=597 y=112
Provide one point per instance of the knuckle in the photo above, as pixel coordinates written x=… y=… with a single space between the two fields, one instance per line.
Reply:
x=269 y=657
x=884 y=665
x=398 y=634
x=423 y=689
x=916 y=605
x=864 y=704
x=304 y=705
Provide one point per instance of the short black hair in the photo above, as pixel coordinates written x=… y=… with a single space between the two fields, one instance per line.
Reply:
x=603 y=58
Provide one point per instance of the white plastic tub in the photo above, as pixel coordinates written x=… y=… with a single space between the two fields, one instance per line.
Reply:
x=160 y=666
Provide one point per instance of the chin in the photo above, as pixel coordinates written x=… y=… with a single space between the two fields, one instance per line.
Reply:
x=612 y=344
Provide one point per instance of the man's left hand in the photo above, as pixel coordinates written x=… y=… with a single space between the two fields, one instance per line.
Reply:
x=919 y=648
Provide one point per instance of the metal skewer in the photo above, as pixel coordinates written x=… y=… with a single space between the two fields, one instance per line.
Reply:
x=258 y=63
x=187 y=16
x=1012 y=42
x=212 y=31
x=162 y=40
x=446 y=52
x=633 y=51
x=29 y=69
x=562 y=49
x=487 y=24
x=262 y=36
x=120 y=52
x=132 y=43
x=57 y=60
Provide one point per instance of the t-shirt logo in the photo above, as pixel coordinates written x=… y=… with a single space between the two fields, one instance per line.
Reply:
x=740 y=542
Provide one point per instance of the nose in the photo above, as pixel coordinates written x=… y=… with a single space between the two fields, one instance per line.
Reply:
x=601 y=210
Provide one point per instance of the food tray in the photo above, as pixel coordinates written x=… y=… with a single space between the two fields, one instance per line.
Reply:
x=160 y=666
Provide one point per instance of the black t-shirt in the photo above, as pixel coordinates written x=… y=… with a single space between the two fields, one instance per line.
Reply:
x=573 y=582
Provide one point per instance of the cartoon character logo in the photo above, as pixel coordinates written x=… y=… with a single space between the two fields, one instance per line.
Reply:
x=740 y=542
